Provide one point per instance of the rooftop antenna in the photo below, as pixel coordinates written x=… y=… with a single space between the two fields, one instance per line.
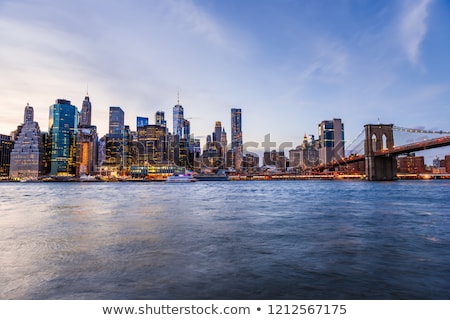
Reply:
x=87 y=89
x=178 y=97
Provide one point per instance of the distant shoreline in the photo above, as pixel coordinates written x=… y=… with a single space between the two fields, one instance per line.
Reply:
x=273 y=177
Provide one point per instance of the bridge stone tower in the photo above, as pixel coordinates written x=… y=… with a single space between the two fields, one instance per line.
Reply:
x=379 y=167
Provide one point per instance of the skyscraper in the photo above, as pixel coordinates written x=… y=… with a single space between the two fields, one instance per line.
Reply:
x=28 y=152
x=116 y=120
x=331 y=140
x=87 y=141
x=6 y=146
x=159 y=118
x=236 y=137
x=178 y=118
x=63 y=126
x=85 y=119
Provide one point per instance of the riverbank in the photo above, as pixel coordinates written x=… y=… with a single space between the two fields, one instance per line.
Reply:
x=265 y=177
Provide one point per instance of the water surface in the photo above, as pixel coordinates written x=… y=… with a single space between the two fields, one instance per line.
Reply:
x=225 y=240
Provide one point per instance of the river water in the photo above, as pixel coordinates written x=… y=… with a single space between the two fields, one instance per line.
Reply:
x=225 y=240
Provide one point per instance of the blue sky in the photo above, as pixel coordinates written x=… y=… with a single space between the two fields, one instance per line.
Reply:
x=287 y=64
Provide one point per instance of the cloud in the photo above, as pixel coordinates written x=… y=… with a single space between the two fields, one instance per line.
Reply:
x=413 y=28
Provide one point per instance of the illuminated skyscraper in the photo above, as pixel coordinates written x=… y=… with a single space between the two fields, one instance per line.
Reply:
x=63 y=126
x=6 y=146
x=27 y=155
x=178 y=119
x=236 y=137
x=87 y=141
x=159 y=118
x=331 y=140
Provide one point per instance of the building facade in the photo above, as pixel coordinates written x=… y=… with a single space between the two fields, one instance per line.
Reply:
x=87 y=142
x=27 y=156
x=331 y=140
x=6 y=146
x=116 y=120
x=86 y=113
x=178 y=119
x=63 y=127
x=305 y=155
x=236 y=138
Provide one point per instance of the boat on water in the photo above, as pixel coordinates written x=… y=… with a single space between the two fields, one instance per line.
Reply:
x=211 y=177
x=181 y=178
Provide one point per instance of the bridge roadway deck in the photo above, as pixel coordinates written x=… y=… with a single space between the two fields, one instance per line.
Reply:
x=407 y=148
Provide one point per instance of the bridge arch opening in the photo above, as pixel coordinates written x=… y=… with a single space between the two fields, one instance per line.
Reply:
x=384 y=145
x=374 y=142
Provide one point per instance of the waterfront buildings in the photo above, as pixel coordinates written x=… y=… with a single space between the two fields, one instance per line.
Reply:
x=331 y=140
x=63 y=126
x=27 y=156
x=6 y=146
x=305 y=155
x=86 y=113
x=178 y=119
x=87 y=141
x=213 y=157
x=411 y=164
x=250 y=163
x=236 y=138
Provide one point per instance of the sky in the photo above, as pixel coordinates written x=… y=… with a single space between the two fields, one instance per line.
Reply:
x=288 y=64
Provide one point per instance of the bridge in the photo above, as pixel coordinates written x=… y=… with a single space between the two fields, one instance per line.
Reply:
x=380 y=153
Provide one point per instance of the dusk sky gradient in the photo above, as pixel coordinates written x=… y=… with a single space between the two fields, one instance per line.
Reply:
x=289 y=64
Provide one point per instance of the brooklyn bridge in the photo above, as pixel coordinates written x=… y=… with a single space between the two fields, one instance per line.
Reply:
x=380 y=152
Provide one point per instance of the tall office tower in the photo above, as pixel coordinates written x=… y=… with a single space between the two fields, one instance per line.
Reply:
x=86 y=110
x=236 y=137
x=217 y=139
x=217 y=134
x=116 y=120
x=28 y=152
x=186 y=129
x=87 y=141
x=6 y=146
x=224 y=140
x=331 y=140
x=159 y=118
x=63 y=127
x=178 y=118
x=141 y=122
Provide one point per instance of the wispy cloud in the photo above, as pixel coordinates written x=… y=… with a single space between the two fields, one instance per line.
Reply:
x=413 y=28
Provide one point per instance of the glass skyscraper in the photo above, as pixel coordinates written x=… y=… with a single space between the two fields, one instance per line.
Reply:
x=178 y=119
x=116 y=120
x=159 y=118
x=236 y=137
x=63 y=125
x=6 y=145
x=331 y=140
x=141 y=122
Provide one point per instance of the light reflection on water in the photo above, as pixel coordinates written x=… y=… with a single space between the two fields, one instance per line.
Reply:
x=225 y=240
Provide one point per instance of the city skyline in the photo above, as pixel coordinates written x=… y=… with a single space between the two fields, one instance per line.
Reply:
x=289 y=65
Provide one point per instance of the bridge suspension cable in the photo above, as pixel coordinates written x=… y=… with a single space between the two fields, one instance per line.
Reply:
x=410 y=130
x=356 y=146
